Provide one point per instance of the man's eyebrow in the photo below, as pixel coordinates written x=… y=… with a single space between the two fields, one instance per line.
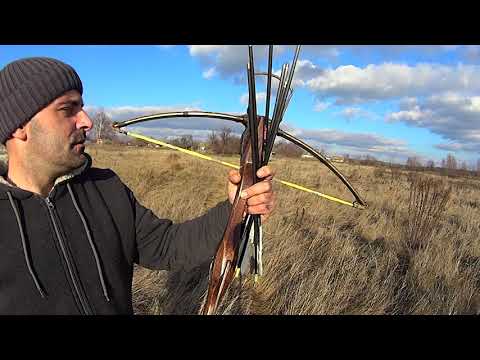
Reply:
x=71 y=102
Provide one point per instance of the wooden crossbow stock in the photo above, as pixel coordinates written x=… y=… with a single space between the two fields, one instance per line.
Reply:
x=256 y=147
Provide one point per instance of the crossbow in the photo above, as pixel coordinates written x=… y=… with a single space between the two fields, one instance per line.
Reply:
x=240 y=250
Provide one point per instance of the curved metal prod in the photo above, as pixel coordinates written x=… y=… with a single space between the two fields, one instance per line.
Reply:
x=243 y=119
x=173 y=114
x=324 y=161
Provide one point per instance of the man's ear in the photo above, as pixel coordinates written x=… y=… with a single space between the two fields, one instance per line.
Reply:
x=20 y=133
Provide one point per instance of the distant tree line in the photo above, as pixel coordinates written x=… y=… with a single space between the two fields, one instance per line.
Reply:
x=225 y=142
x=449 y=166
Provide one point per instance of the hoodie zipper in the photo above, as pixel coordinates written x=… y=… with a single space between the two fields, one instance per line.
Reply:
x=78 y=290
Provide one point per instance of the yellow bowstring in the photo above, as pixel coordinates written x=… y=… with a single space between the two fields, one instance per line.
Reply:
x=205 y=157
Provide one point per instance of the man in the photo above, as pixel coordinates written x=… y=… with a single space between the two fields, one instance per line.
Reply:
x=70 y=233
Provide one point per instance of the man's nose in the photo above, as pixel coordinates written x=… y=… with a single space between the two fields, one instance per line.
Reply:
x=84 y=121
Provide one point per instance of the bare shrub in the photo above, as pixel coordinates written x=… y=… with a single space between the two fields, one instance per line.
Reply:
x=427 y=200
x=355 y=175
x=379 y=173
x=173 y=157
x=173 y=161
x=395 y=173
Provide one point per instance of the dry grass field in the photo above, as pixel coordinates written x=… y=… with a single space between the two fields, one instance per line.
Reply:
x=414 y=250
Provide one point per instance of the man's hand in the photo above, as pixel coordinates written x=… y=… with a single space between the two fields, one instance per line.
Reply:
x=260 y=196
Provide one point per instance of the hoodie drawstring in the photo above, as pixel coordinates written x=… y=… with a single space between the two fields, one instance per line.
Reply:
x=24 y=244
x=92 y=246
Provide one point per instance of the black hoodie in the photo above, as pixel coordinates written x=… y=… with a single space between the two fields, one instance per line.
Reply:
x=74 y=251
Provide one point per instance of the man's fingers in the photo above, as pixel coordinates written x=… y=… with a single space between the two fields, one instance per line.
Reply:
x=234 y=176
x=260 y=196
x=256 y=189
x=266 y=173
x=266 y=198
x=260 y=209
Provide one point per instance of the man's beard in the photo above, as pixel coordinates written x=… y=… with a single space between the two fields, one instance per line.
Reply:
x=59 y=156
x=76 y=157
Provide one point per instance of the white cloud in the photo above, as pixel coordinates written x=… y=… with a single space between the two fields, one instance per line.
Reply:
x=455 y=147
x=121 y=113
x=320 y=106
x=231 y=60
x=354 y=143
x=351 y=112
x=471 y=53
x=200 y=128
x=335 y=141
x=415 y=115
x=304 y=71
x=201 y=50
x=228 y=60
x=453 y=116
x=449 y=146
x=449 y=48
x=261 y=97
x=208 y=74
x=169 y=133
x=398 y=52
x=196 y=126
x=329 y=52
x=363 y=140
x=356 y=112
x=350 y=84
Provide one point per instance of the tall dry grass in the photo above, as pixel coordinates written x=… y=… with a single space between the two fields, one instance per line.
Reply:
x=415 y=250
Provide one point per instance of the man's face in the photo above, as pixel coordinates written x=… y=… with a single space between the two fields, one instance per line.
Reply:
x=56 y=134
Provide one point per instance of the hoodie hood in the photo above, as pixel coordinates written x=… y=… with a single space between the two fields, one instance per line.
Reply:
x=21 y=194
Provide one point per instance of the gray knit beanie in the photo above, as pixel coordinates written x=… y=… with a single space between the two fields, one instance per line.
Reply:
x=28 y=85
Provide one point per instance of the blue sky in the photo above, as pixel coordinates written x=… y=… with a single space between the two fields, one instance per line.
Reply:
x=390 y=102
